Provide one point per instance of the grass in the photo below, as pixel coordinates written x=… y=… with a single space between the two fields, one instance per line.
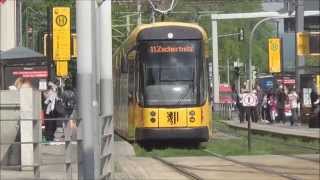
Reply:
x=236 y=145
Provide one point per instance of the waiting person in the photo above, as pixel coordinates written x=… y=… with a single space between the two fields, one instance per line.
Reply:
x=255 y=109
x=68 y=97
x=315 y=101
x=21 y=82
x=314 y=98
x=272 y=103
x=281 y=97
x=293 y=98
x=264 y=107
x=287 y=112
x=50 y=98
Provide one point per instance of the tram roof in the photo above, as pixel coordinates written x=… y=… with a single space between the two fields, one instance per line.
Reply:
x=138 y=29
x=133 y=35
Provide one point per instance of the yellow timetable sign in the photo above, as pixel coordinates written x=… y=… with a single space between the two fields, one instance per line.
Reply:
x=61 y=33
x=302 y=39
x=274 y=55
x=62 y=68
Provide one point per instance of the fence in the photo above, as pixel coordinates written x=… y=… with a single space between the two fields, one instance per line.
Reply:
x=224 y=110
x=23 y=148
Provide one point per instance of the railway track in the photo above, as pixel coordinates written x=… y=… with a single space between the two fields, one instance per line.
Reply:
x=235 y=134
x=254 y=166
x=302 y=158
x=179 y=169
x=182 y=169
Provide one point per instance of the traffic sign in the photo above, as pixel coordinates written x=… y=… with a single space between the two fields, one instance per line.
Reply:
x=62 y=68
x=308 y=43
x=302 y=43
x=61 y=33
x=274 y=55
x=249 y=100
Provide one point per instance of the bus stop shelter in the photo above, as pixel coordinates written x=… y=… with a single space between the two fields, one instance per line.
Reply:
x=25 y=63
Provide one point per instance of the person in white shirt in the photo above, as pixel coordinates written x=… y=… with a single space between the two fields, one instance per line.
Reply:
x=293 y=99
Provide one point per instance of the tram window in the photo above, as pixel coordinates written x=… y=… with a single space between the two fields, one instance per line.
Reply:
x=171 y=71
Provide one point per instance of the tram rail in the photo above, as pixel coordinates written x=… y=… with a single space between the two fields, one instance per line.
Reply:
x=253 y=166
x=179 y=169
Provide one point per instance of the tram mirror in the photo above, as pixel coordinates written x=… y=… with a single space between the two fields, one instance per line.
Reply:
x=125 y=60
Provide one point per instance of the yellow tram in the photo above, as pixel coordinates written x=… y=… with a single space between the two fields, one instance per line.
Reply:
x=161 y=86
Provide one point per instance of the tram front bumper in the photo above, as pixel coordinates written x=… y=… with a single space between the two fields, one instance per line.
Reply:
x=196 y=133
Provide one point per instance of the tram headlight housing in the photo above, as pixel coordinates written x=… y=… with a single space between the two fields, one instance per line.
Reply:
x=152 y=113
x=153 y=116
x=153 y=120
x=192 y=113
x=192 y=119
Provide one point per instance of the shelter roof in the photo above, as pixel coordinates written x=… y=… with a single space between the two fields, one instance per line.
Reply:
x=19 y=53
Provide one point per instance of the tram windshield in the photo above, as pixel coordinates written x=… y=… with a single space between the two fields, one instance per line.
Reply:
x=170 y=72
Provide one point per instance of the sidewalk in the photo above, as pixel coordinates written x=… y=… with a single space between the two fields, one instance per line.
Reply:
x=300 y=131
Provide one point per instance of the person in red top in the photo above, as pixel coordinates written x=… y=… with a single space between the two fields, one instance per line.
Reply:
x=2 y=1
x=272 y=103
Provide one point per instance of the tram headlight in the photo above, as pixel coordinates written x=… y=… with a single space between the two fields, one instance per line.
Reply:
x=192 y=113
x=192 y=119
x=152 y=113
x=153 y=120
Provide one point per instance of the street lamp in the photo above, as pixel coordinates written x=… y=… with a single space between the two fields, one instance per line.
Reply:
x=250 y=48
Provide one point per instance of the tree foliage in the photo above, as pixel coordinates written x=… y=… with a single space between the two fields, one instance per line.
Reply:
x=229 y=47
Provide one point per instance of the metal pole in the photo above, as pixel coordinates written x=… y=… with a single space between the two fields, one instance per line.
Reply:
x=139 y=21
x=153 y=16
x=277 y=26
x=238 y=78
x=250 y=74
x=215 y=61
x=250 y=49
x=300 y=60
x=94 y=91
x=85 y=76
x=128 y=24
x=26 y=26
x=249 y=128
x=19 y=39
x=106 y=88
x=228 y=73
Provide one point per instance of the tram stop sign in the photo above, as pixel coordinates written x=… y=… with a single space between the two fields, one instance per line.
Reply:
x=249 y=100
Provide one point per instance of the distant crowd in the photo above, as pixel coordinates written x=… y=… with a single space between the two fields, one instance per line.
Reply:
x=279 y=106
x=56 y=104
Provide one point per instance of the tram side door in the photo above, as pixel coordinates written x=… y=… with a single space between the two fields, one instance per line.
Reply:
x=131 y=96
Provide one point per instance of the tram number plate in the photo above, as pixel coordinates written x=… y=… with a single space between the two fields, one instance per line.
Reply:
x=173 y=117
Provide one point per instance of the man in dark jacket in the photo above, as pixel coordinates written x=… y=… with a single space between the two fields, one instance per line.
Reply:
x=281 y=97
